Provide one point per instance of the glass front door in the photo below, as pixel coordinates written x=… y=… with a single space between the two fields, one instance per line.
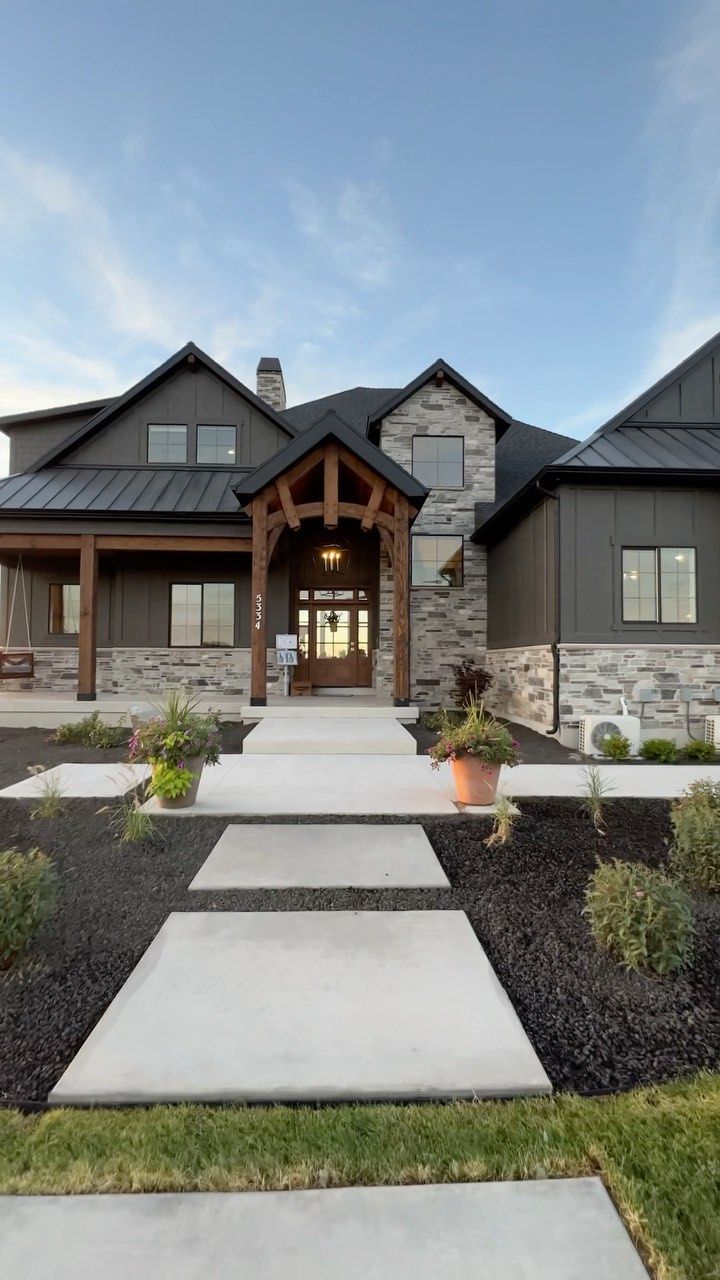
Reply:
x=334 y=638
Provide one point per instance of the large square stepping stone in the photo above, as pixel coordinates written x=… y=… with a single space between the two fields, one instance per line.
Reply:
x=549 y=1230
x=81 y=781
x=316 y=855
x=293 y=1006
x=310 y=736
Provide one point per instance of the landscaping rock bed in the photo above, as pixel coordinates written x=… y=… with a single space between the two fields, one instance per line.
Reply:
x=594 y=1025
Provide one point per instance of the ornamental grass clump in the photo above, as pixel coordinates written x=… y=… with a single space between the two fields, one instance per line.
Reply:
x=476 y=734
x=174 y=742
x=28 y=889
x=641 y=916
x=695 y=852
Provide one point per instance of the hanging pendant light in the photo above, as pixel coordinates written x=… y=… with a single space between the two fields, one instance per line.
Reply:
x=332 y=558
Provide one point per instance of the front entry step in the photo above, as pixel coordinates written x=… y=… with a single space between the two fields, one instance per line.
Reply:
x=313 y=736
x=330 y=707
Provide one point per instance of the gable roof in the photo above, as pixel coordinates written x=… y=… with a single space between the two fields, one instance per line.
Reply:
x=330 y=427
x=355 y=406
x=502 y=419
x=187 y=355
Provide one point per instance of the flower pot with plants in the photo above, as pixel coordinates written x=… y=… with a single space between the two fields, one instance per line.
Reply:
x=477 y=746
x=177 y=744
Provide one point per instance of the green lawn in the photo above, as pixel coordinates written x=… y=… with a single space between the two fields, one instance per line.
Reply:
x=657 y=1150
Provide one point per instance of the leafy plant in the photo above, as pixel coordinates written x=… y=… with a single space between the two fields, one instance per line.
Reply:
x=177 y=734
x=170 y=780
x=503 y=821
x=89 y=732
x=616 y=746
x=699 y=750
x=471 y=682
x=641 y=916
x=594 y=791
x=51 y=801
x=477 y=734
x=28 y=890
x=695 y=851
x=662 y=750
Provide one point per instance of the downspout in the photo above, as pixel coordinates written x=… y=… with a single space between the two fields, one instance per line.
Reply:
x=550 y=493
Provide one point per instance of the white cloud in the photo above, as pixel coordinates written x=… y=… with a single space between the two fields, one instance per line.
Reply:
x=353 y=226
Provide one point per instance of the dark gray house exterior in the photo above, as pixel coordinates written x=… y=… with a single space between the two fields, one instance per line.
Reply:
x=172 y=532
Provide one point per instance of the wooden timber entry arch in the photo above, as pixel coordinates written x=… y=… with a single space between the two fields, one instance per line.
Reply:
x=331 y=484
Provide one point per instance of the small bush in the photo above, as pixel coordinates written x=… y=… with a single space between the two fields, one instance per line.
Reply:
x=663 y=750
x=470 y=683
x=50 y=803
x=640 y=916
x=616 y=747
x=699 y=750
x=89 y=732
x=695 y=852
x=28 y=888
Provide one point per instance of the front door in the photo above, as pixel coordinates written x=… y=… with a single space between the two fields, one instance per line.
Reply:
x=334 y=638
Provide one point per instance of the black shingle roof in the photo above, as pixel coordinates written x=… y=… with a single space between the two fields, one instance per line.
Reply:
x=355 y=406
x=521 y=453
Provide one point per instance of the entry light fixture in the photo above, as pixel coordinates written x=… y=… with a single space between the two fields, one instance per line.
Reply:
x=333 y=558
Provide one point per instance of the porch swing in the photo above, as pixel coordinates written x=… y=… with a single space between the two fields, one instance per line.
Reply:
x=16 y=664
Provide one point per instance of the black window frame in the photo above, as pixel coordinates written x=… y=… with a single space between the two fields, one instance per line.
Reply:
x=214 y=426
x=658 y=620
x=166 y=426
x=438 y=586
x=439 y=435
x=62 y=631
x=212 y=582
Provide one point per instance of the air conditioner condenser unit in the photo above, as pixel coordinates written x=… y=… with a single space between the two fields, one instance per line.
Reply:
x=595 y=729
x=712 y=731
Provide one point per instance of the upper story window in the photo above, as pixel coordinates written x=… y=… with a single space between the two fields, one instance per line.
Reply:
x=167 y=443
x=64 y=609
x=202 y=613
x=438 y=461
x=437 y=560
x=217 y=445
x=659 y=584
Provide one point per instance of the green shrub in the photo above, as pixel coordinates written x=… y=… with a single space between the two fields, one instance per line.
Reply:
x=695 y=852
x=616 y=747
x=699 y=750
x=640 y=916
x=663 y=750
x=89 y=732
x=28 y=887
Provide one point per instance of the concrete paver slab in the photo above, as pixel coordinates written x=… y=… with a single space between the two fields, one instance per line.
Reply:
x=643 y=781
x=548 y=1230
x=291 y=1006
x=321 y=855
x=78 y=781
x=311 y=736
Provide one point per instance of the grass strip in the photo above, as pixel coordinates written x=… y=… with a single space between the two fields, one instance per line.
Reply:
x=657 y=1150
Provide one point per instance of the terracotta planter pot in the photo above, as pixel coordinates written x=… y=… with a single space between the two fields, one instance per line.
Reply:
x=196 y=766
x=475 y=780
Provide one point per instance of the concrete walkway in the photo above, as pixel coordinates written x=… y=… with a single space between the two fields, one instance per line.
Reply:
x=646 y=781
x=310 y=736
x=81 y=781
x=549 y=1230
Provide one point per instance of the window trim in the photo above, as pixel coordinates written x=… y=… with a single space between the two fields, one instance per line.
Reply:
x=658 y=620
x=438 y=586
x=439 y=435
x=228 y=426
x=62 y=631
x=211 y=582
x=154 y=462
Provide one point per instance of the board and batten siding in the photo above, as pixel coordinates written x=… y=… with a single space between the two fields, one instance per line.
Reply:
x=522 y=587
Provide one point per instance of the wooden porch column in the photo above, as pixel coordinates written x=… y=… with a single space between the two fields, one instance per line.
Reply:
x=401 y=601
x=258 y=604
x=87 y=639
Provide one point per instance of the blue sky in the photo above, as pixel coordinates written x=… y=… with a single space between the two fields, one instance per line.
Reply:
x=529 y=190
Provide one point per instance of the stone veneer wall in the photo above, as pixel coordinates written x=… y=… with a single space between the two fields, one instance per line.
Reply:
x=522 y=687
x=446 y=624
x=129 y=671
x=593 y=678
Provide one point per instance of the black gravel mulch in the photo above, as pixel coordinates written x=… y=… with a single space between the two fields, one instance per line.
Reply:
x=594 y=1025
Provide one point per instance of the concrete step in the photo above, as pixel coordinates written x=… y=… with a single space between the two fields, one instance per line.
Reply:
x=323 y=736
x=330 y=708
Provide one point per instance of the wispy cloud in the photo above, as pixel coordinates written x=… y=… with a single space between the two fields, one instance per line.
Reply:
x=352 y=224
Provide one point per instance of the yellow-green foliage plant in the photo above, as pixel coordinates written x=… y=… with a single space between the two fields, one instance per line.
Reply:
x=28 y=889
x=641 y=916
x=695 y=852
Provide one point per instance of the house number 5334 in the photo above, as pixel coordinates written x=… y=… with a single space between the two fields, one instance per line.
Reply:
x=258 y=611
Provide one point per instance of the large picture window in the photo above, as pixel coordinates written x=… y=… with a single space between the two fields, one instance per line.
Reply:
x=437 y=560
x=64 y=609
x=202 y=614
x=167 y=442
x=216 y=445
x=437 y=461
x=659 y=584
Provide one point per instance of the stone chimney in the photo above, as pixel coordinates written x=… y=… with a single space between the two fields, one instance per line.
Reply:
x=270 y=383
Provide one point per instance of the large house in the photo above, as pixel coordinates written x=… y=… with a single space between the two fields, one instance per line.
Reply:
x=174 y=532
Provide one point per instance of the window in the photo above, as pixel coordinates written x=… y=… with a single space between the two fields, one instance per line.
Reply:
x=437 y=461
x=202 y=614
x=437 y=561
x=216 y=444
x=64 y=609
x=167 y=443
x=658 y=584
